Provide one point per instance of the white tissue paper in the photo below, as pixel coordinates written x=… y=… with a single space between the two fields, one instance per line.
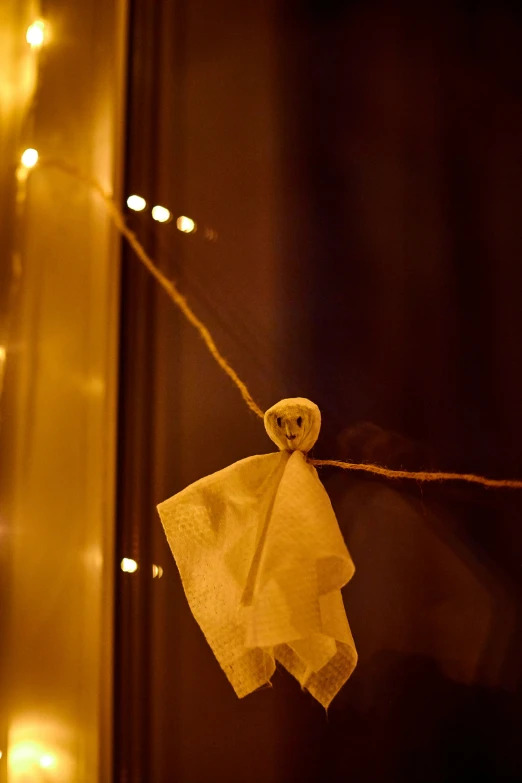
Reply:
x=262 y=562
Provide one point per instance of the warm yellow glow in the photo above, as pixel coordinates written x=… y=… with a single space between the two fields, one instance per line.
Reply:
x=137 y=203
x=129 y=565
x=47 y=761
x=25 y=756
x=1 y=754
x=185 y=224
x=21 y=173
x=2 y=359
x=41 y=750
x=35 y=35
x=29 y=158
x=161 y=214
x=157 y=572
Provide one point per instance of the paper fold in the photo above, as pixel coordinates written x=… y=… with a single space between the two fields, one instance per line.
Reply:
x=262 y=562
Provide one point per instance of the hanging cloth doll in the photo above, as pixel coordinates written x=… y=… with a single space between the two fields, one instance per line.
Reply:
x=262 y=562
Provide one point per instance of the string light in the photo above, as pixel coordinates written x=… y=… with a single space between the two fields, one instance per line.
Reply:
x=129 y=565
x=185 y=224
x=35 y=35
x=136 y=203
x=29 y=158
x=161 y=214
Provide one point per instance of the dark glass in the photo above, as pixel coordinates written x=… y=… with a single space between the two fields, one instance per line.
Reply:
x=354 y=172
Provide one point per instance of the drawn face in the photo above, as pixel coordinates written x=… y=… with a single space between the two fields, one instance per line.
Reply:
x=293 y=424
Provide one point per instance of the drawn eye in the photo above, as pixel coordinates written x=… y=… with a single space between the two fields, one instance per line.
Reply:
x=299 y=421
x=279 y=421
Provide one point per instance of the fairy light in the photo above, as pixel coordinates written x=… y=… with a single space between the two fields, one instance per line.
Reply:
x=136 y=203
x=129 y=565
x=47 y=761
x=161 y=214
x=29 y=158
x=185 y=224
x=35 y=35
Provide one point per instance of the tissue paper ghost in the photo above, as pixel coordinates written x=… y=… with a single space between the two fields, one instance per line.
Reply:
x=262 y=562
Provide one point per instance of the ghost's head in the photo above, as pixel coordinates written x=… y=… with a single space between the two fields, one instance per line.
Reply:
x=293 y=424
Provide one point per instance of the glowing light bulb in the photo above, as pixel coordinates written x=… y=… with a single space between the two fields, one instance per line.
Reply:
x=129 y=565
x=157 y=572
x=161 y=214
x=185 y=224
x=136 y=203
x=47 y=761
x=35 y=35
x=29 y=158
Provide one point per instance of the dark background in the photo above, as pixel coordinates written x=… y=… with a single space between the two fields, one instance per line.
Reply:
x=361 y=164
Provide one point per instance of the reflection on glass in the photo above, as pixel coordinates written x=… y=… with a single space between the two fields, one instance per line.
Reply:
x=210 y=235
x=161 y=214
x=136 y=203
x=185 y=224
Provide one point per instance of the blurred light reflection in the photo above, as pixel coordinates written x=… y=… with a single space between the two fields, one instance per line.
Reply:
x=186 y=224
x=129 y=565
x=161 y=214
x=136 y=203
x=35 y=35
x=210 y=235
x=29 y=158
x=40 y=751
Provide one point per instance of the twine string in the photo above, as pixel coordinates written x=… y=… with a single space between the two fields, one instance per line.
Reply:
x=421 y=475
x=168 y=286
x=118 y=219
